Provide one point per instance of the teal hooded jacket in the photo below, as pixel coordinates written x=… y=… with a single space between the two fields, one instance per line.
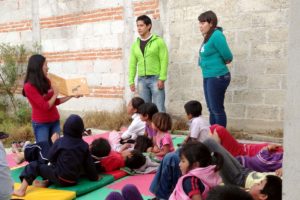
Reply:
x=214 y=54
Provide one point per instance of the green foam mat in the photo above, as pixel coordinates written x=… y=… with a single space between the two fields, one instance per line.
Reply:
x=177 y=140
x=85 y=186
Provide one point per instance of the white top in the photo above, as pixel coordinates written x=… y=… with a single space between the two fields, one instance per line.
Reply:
x=6 y=183
x=199 y=128
x=136 y=128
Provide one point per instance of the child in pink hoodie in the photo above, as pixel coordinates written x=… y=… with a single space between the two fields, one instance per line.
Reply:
x=199 y=168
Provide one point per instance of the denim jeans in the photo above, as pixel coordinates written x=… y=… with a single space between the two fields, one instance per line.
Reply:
x=148 y=90
x=166 y=176
x=214 y=91
x=44 y=131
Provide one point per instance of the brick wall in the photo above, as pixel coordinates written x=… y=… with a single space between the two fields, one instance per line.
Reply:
x=86 y=38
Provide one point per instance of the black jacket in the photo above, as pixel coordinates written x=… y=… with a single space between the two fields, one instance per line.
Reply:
x=70 y=157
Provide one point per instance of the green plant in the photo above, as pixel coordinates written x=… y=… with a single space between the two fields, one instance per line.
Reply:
x=23 y=113
x=12 y=61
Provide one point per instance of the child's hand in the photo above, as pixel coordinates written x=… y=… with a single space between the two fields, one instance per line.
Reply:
x=273 y=147
x=156 y=149
x=278 y=172
x=149 y=150
x=54 y=137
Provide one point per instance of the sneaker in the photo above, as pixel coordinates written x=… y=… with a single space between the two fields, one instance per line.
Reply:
x=3 y=135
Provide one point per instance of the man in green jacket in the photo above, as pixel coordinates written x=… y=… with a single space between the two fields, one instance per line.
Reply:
x=149 y=59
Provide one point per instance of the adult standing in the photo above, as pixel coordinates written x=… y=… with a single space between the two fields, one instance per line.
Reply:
x=149 y=58
x=214 y=54
x=43 y=99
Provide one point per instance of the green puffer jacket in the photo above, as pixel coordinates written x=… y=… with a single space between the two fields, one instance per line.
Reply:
x=153 y=62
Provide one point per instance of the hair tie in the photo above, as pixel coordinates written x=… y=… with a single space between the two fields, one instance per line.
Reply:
x=212 y=154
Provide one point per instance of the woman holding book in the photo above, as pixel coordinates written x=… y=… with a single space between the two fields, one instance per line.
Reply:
x=43 y=98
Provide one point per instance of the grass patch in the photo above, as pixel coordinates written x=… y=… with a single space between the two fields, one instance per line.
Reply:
x=16 y=131
x=105 y=120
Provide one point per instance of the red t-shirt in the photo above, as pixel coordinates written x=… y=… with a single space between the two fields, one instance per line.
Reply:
x=41 y=112
x=113 y=161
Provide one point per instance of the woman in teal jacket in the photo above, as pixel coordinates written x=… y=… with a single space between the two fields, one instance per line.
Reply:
x=214 y=54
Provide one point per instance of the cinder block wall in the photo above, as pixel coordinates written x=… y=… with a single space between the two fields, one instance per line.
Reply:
x=92 y=38
x=257 y=32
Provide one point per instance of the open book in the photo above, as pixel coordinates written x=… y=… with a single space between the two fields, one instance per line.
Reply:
x=69 y=86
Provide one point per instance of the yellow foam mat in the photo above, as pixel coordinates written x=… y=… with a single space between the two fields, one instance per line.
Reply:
x=35 y=193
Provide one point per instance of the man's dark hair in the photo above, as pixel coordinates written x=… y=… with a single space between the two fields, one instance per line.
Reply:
x=193 y=108
x=228 y=192
x=100 y=147
x=136 y=160
x=273 y=188
x=145 y=19
x=148 y=109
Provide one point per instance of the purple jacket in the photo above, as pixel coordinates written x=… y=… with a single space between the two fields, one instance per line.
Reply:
x=264 y=161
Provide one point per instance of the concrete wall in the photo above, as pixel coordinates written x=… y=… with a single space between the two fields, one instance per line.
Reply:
x=291 y=167
x=257 y=34
x=92 y=38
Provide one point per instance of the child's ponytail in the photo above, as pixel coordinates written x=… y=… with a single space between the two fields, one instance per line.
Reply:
x=217 y=159
x=197 y=152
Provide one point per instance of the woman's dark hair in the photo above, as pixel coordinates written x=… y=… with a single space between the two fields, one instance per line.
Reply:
x=162 y=121
x=148 y=109
x=145 y=19
x=193 y=108
x=198 y=152
x=142 y=143
x=273 y=188
x=100 y=147
x=136 y=160
x=210 y=17
x=136 y=102
x=35 y=74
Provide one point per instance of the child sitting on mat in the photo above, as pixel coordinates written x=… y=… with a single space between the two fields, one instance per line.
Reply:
x=122 y=141
x=67 y=157
x=198 y=126
x=161 y=123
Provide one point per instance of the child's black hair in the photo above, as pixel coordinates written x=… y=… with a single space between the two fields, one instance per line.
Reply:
x=136 y=102
x=162 y=121
x=193 y=108
x=226 y=192
x=136 y=160
x=273 y=188
x=142 y=143
x=198 y=152
x=100 y=147
x=148 y=109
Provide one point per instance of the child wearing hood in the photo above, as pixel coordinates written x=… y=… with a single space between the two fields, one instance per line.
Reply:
x=67 y=157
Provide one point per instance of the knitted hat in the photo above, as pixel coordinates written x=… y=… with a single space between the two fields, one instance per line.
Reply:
x=74 y=126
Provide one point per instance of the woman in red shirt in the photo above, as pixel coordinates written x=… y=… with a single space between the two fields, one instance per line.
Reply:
x=43 y=99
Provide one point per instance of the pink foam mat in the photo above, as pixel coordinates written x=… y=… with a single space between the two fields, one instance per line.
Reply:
x=11 y=162
x=142 y=182
x=91 y=138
